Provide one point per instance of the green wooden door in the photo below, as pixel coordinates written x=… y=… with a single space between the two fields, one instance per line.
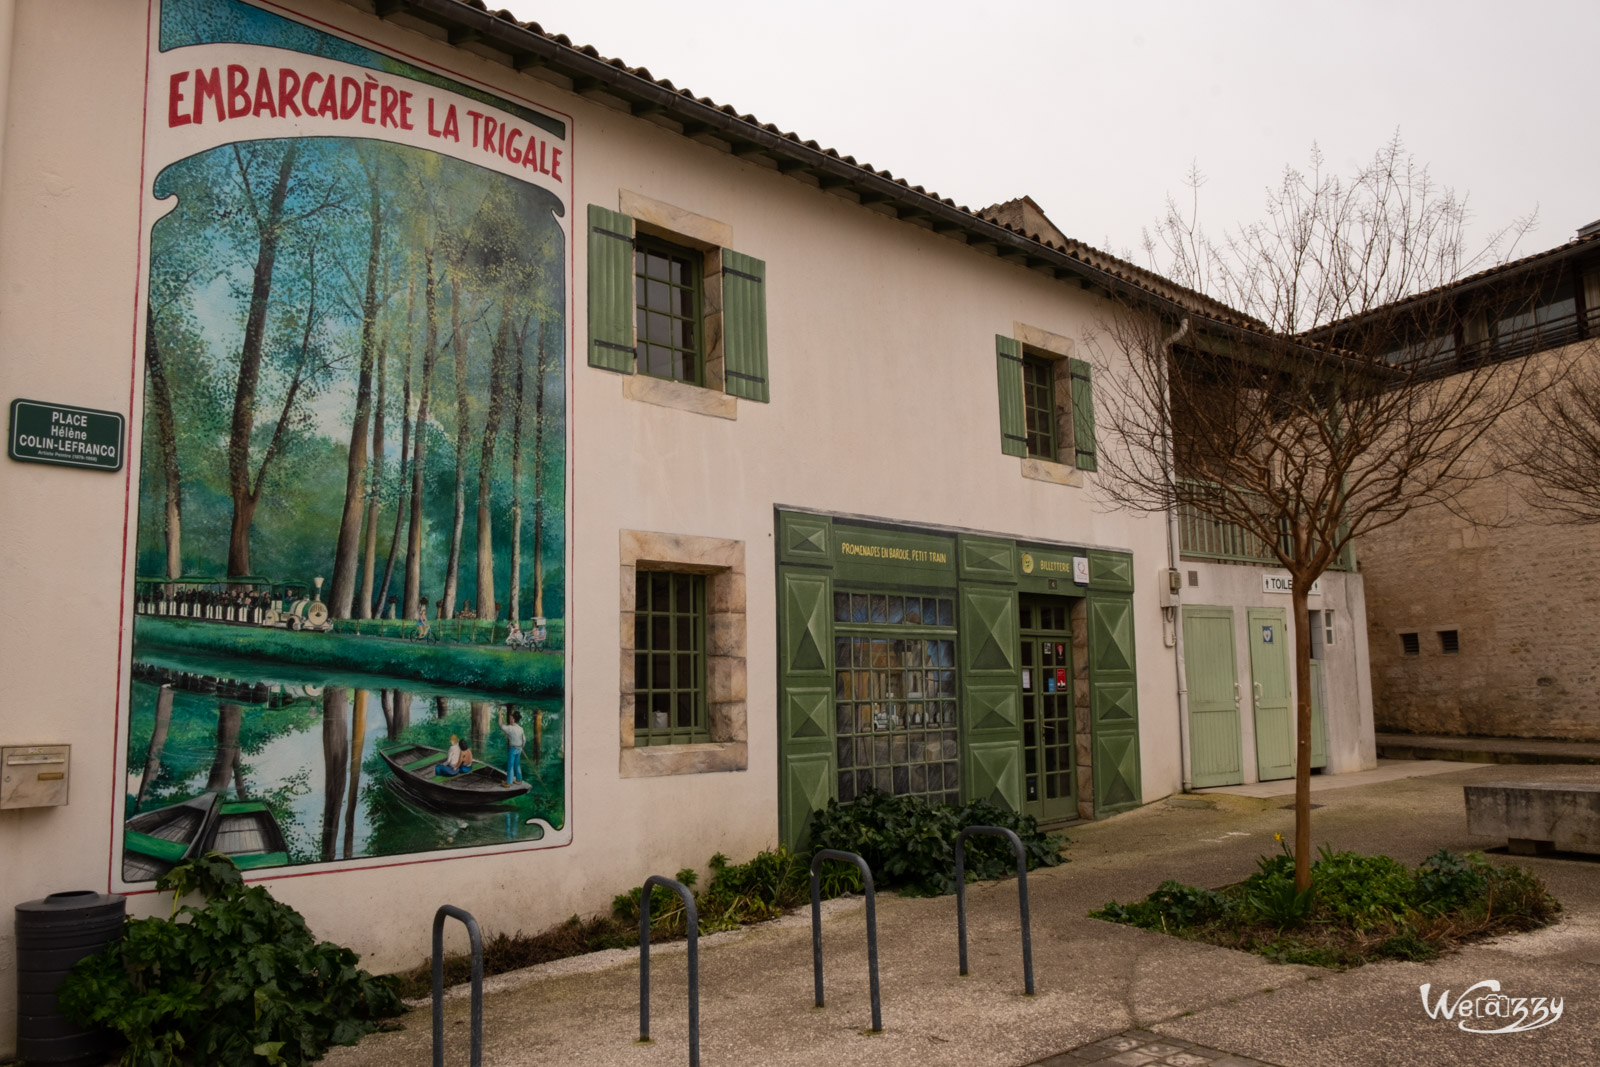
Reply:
x=1270 y=691
x=991 y=695
x=805 y=719
x=1319 y=721
x=1209 y=666
x=1113 y=700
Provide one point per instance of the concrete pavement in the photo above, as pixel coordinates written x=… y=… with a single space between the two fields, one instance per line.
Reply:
x=1095 y=980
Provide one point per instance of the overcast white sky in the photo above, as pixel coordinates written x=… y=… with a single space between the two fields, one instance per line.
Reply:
x=1097 y=110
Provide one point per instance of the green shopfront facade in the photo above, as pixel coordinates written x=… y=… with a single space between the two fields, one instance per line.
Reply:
x=952 y=666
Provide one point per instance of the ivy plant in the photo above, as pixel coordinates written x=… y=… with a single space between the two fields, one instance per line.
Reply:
x=238 y=979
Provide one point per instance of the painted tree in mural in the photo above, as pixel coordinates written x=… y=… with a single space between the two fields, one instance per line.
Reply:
x=270 y=216
x=1323 y=423
x=341 y=597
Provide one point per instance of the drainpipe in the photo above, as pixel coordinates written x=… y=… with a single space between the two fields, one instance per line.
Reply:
x=1173 y=546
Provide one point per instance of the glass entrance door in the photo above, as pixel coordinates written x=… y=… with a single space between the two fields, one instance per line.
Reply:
x=1049 y=781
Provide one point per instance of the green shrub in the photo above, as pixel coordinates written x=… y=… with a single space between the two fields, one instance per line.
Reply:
x=238 y=980
x=1446 y=880
x=1172 y=906
x=1361 y=891
x=910 y=844
x=1358 y=908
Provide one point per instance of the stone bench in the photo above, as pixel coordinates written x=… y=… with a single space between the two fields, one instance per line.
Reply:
x=1537 y=817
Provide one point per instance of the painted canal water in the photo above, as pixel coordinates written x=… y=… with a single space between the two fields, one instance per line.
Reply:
x=302 y=750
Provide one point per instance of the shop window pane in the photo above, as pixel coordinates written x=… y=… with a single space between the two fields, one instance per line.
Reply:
x=844 y=718
x=883 y=780
x=880 y=654
x=902 y=780
x=841 y=607
x=947 y=613
x=863 y=781
x=919 y=778
x=880 y=607
x=897 y=610
x=913 y=610
x=858 y=607
x=847 y=787
x=841 y=652
x=897 y=653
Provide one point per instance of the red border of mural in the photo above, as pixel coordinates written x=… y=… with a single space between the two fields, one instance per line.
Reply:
x=123 y=634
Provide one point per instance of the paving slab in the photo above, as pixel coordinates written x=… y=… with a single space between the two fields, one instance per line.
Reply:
x=1096 y=981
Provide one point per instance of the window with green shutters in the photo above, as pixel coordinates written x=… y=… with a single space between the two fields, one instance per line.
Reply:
x=649 y=303
x=669 y=666
x=1032 y=422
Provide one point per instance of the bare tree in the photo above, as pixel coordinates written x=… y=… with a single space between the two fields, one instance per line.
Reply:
x=1555 y=445
x=1320 y=413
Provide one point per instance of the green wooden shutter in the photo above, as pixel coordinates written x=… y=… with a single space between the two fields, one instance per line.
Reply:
x=744 y=325
x=1013 y=425
x=1113 y=702
x=991 y=695
x=1082 y=415
x=806 y=773
x=610 y=290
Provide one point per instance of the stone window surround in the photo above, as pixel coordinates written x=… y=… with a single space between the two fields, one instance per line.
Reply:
x=722 y=562
x=1058 y=349
x=709 y=237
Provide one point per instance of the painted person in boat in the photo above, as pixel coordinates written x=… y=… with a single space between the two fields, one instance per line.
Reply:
x=457 y=761
x=516 y=737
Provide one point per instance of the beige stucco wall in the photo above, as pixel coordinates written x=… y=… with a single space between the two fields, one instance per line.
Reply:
x=1346 y=672
x=883 y=385
x=1521 y=595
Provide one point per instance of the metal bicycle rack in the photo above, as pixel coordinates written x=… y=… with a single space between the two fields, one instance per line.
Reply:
x=644 y=963
x=1022 y=896
x=872 y=927
x=476 y=937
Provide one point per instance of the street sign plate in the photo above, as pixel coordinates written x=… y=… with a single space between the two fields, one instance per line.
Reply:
x=66 y=435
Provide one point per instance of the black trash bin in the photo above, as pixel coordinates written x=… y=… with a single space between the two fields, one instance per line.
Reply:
x=52 y=935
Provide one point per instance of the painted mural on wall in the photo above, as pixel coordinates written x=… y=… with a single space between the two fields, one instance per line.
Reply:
x=350 y=587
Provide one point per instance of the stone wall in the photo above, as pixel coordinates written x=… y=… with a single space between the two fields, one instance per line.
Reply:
x=1521 y=597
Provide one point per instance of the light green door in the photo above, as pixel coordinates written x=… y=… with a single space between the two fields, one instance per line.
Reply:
x=1208 y=662
x=1319 y=722
x=1269 y=686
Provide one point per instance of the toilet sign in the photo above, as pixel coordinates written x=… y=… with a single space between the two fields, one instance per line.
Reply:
x=1282 y=582
x=65 y=435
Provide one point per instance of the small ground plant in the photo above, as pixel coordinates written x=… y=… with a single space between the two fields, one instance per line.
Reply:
x=1359 y=908
x=910 y=844
x=238 y=980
